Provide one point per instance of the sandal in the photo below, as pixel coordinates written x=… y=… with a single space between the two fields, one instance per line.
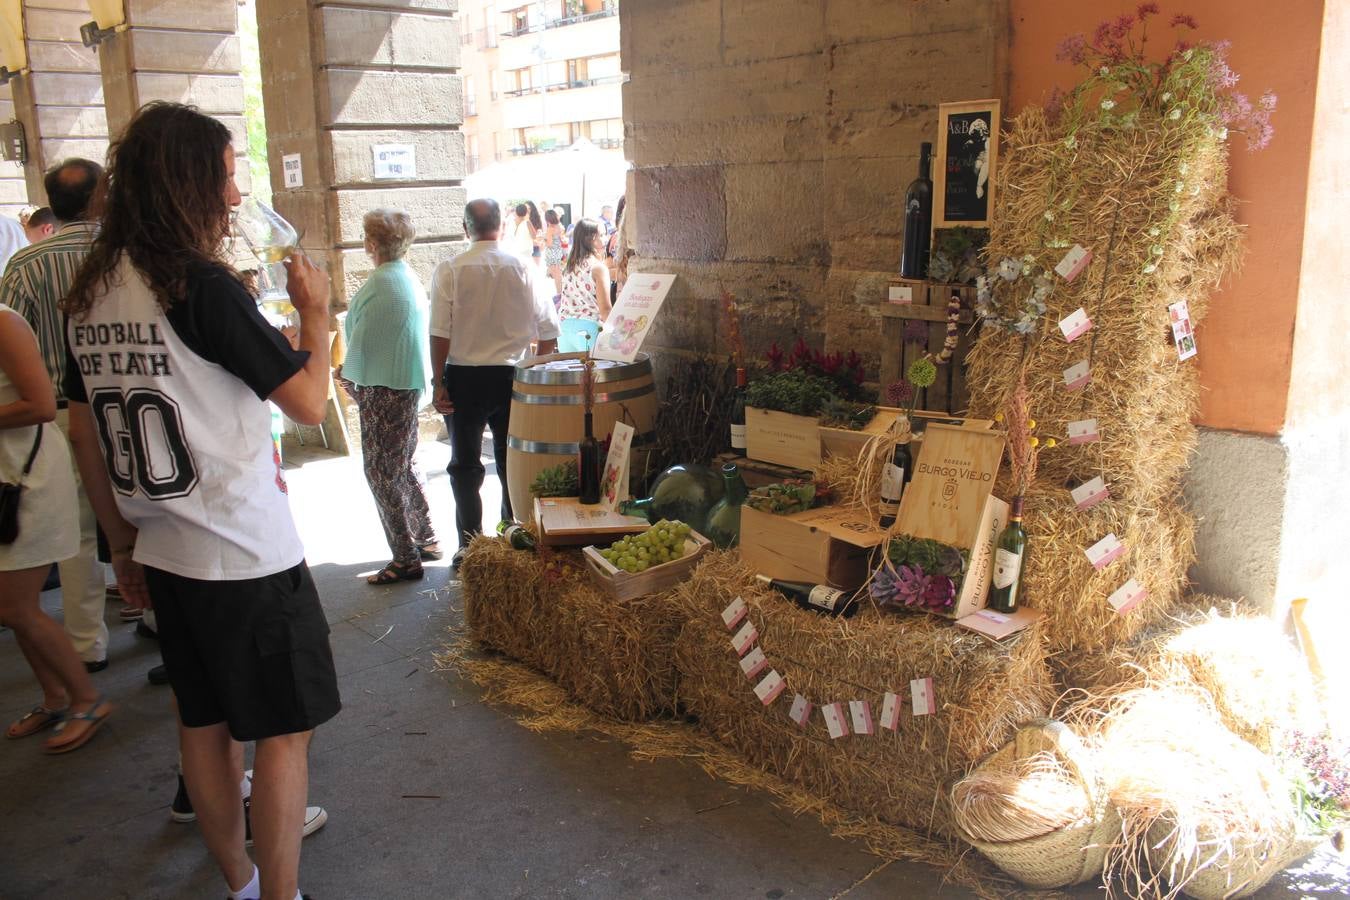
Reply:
x=431 y=552
x=395 y=572
x=94 y=716
x=36 y=719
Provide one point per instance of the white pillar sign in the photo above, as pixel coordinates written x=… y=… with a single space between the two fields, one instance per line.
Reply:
x=394 y=161
x=292 y=175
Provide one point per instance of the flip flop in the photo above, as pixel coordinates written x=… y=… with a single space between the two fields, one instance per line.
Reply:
x=35 y=720
x=395 y=572
x=93 y=716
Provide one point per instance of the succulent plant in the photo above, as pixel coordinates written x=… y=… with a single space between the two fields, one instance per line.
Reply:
x=556 y=481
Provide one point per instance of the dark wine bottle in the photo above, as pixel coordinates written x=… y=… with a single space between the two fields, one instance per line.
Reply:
x=738 y=414
x=588 y=466
x=516 y=535
x=918 y=219
x=819 y=598
x=1009 y=557
x=893 y=480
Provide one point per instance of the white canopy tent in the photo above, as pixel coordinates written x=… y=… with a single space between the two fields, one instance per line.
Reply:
x=583 y=176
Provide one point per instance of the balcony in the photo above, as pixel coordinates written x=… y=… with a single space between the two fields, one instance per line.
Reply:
x=470 y=107
x=586 y=36
x=564 y=86
x=610 y=9
x=563 y=104
x=485 y=38
x=557 y=146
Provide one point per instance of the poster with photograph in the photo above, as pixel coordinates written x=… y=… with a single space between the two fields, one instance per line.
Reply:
x=632 y=316
x=963 y=179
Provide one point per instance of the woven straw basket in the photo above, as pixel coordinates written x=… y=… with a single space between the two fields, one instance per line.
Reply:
x=1073 y=853
x=1239 y=874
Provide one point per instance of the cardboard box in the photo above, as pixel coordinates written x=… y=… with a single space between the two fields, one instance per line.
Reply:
x=779 y=437
x=830 y=545
x=950 y=499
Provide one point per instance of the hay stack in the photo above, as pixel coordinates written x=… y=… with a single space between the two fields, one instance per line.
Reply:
x=542 y=609
x=984 y=691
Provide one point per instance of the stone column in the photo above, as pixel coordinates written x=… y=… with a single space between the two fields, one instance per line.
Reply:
x=60 y=99
x=340 y=80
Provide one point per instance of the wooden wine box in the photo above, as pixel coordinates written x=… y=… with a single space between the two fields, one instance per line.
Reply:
x=831 y=545
x=565 y=522
x=849 y=443
x=782 y=438
x=950 y=499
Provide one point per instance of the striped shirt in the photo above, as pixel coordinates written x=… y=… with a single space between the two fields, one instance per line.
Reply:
x=39 y=277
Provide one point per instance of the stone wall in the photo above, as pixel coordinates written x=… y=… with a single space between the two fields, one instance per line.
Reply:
x=13 y=190
x=772 y=142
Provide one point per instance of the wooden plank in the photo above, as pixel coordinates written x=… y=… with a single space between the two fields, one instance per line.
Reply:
x=953 y=476
x=910 y=312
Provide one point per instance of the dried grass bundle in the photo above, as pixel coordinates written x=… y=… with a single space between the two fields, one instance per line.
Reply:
x=856 y=480
x=1018 y=799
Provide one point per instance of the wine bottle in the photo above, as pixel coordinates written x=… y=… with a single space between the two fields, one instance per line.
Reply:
x=819 y=598
x=893 y=480
x=918 y=219
x=724 y=521
x=738 y=414
x=1009 y=556
x=588 y=466
x=516 y=535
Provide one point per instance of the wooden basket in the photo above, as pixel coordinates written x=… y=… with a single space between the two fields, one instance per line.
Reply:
x=623 y=585
x=1068 y=855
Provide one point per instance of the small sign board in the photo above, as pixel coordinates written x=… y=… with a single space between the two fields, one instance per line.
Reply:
x=632 y=316
x=394 y=161
x=293 y=176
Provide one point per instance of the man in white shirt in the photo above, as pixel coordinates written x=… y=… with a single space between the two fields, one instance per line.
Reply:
x=485 y=311
x=12 y=240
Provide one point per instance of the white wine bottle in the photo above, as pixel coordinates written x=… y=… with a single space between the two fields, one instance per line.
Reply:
x=1009 y=557
x=819 y=598
x=893 y=480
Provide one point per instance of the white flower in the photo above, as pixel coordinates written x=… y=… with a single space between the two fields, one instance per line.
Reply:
x=1156 y=250
x=1181 y=186
x=1105 y=71
x=1223 y=134
x=1150 y=268
x=1167 y=95
x=1154 y=231
x=1174 y=206
x=1188 y=54
x=1028 y=258
x=1184 y=168
x=1071 y=141
x=1175 y=113
x=1049 y=215
x=1108 y=104
x=1026 y=269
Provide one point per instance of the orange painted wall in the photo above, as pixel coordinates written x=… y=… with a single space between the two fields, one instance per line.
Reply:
x=1246 y=343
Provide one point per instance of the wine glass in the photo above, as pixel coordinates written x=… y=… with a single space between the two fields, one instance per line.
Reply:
x=271 y=239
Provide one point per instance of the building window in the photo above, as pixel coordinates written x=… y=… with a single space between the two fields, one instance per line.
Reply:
x=471 y=156
x=494 y=84
x=470 y=97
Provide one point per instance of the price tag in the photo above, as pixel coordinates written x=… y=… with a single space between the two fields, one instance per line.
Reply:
x=1075 y=325
x=733 y=614
x=744 y=639
x=292 y=175
x=1084 y=431
x=801 y=711
x=1182 y=332
x=834 y=720
x=861 y=713
x=900 y=293
x=1127 y=596
x=890 y=712
x=922 y=700
x=753 y=663
x=1077 y=376
x=1090 y=493
x=768 y=690
x=1104 y=552
x=1075 y=261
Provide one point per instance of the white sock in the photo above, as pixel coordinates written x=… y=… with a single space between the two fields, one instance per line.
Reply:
x=250 y=891
x=245 y=788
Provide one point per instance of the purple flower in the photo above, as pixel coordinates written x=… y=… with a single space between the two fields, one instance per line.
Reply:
x=1181 y=20
x=898 y=393
x=1072 y=49
x=939 y=593
x=1144 y=10
x=1121 y=26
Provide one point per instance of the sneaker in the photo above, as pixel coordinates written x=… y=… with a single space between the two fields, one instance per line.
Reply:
x=181 y=810
x=315 y=818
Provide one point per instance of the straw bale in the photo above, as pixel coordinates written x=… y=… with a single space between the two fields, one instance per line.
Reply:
x=1058 y=579
x=984 y=691
x=1120 y=182
x=614 y=656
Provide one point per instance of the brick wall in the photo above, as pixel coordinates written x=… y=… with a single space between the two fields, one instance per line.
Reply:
x=772 y=142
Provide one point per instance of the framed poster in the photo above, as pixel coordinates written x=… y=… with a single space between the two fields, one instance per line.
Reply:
x=967 y=157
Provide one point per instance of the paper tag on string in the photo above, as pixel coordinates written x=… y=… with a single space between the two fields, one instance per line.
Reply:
x=890 y=712
x=900 y=293
x=922 y=700
x=1182 y=331
x=768 y=689
x=1127 y=596
x=861 y=713
x=744 y=639
x=1090 y=493
x=1104 y=552
x=1084 y=431
x=834 y=720
x=1075 y=324
x=1075 y=261
x=733 y=614
x=754 y=662
x=1077 y=376
x=800 y=711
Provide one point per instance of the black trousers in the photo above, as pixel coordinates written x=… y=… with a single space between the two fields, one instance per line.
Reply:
x=482 y=398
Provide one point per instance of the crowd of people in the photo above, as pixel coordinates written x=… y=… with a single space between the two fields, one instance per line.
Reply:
x=137 y=379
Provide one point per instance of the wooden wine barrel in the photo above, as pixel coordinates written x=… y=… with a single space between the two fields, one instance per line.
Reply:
x=546 y=416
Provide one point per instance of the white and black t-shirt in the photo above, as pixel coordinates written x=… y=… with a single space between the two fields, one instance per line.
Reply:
x=178 y=399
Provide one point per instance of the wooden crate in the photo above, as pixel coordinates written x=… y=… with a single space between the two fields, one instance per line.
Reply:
x=782 y=438
x=565 y=522
x=758 y=474
x=623 y=585
x=929 y=305
x=831 y=545
x=844 y=442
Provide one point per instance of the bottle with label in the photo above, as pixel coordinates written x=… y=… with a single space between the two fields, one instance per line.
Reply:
x=516 y=535
x=724 y=521
x=588 y=466
x=738 y=414
x=893 y=480
x=1010 y=554
x=918 y=219
x=819 y=598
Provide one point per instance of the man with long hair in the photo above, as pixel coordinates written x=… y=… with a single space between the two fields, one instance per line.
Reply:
x=170 y=367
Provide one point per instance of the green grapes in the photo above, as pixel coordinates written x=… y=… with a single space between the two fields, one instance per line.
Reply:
x=661 y=543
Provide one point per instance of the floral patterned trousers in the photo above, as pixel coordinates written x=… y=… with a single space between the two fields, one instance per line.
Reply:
x=389 y=448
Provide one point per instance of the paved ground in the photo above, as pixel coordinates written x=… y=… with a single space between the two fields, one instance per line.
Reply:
x=431 y=793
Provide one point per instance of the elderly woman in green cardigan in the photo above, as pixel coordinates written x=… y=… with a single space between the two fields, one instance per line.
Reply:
x=386 y=373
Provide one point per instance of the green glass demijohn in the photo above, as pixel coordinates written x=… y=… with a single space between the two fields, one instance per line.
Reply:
x=724 y=522
x=684 y=493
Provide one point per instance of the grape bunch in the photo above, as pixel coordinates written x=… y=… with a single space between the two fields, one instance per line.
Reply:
x=661 y=543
